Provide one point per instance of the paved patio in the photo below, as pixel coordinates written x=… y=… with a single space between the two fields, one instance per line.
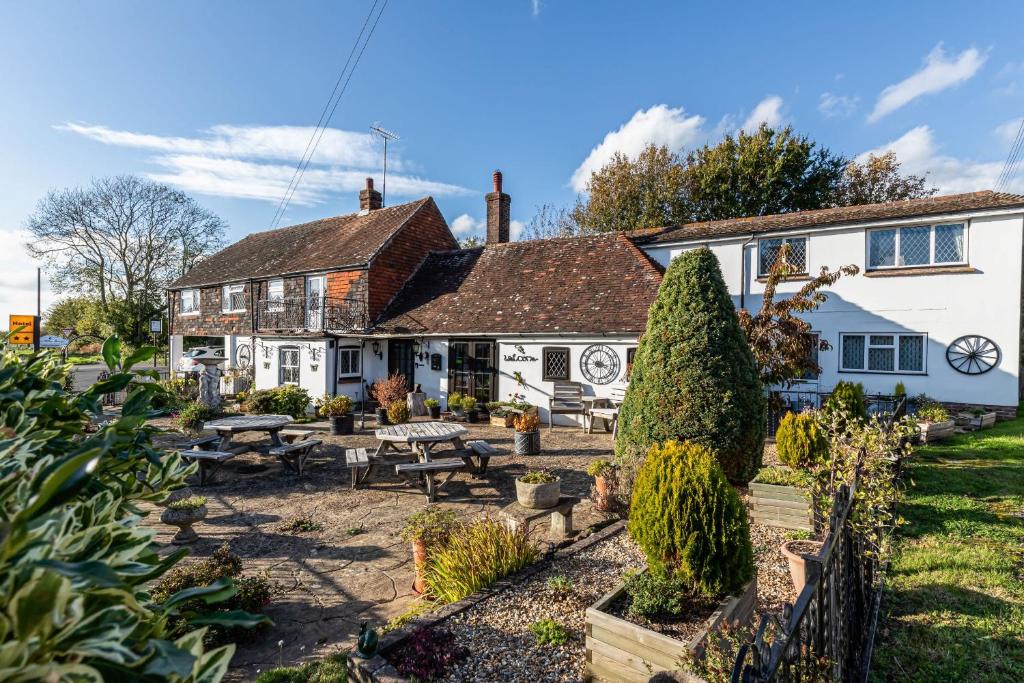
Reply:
x=356 y=569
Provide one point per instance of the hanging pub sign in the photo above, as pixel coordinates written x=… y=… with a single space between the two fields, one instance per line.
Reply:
x=520 y=356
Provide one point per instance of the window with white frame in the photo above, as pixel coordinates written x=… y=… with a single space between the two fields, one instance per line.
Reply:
x=289 y=365
x=882 y=352
x=232 y=298
x=275 y=295
x=348 y=361
x=768 y=250
x=189 y=301
x=917 y=245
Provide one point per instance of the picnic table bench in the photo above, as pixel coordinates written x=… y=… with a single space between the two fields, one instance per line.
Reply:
x=209 y=462
x=227 y=427
x=421 y=474
x=293 y=435
x=293 y=455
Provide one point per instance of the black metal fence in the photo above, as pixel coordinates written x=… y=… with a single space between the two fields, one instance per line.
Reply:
x=311 y=314
x=116 y=398
x=795 y=400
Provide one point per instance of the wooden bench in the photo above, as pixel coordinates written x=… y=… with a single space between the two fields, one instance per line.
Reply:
x=360 y=461
x=203 y=443
x=607 y=410
x=566 y=399
x=482 y=451
x=209 y=462
x=293 y=435
x=421 y=474
x=517 y=516
x=293 y=455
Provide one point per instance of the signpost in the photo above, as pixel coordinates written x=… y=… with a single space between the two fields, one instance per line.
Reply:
x=29 y=332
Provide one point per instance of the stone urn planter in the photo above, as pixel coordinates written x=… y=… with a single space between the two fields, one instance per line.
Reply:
x=798 y=553
x=341 y=424
x=936 y=431
x=538 y=496
x=184 y=518
x=619 y=650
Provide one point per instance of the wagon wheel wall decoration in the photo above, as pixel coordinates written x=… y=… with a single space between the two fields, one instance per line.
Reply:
x=243 y=354
x=973 y=354
x=600 y=364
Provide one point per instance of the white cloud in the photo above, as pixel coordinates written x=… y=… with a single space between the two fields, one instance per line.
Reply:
x=258 y=162
x=659 y=125
x=831 y=105
x=18 y=284
x=535 y=7
x=516 y=230
x=1007 y=132
x=767 y=111
x=937 y=74
x=467 y=225
x=918 y=153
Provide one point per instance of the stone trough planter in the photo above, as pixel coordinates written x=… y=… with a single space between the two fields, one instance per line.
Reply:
x=936 y=431
x=618 y=650
x=788 y=507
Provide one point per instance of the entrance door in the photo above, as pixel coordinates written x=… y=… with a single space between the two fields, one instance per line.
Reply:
x=472 y=369
x=316 y=290
x=400 y=360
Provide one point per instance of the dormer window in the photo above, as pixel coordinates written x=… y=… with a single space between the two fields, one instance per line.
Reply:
x=917 y=246
x=769 y=248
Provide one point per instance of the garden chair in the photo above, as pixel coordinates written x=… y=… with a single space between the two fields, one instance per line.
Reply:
x=566 y=399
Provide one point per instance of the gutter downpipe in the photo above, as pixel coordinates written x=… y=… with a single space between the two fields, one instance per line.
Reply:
x=362 y=385
x=743 y=269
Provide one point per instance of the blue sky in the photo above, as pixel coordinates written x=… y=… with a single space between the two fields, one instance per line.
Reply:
x=219 y=98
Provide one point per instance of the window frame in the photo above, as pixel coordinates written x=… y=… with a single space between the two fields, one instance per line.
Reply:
x=196 y=295
x=544 y=352
x=353 y=351
x=281 y=366
x=785 y=239
x=275 y=305
x=226 y=293
x=866 y=336
x=932 y=263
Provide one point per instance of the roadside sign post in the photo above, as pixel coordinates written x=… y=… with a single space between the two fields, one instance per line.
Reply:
x=155 y=328
x=28 y=332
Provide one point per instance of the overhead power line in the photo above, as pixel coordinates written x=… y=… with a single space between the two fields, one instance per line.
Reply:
x=340 y=85
x=1012 y=158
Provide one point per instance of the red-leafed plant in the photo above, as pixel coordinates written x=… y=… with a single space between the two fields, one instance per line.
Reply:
x=428 y=654
x=389 y=390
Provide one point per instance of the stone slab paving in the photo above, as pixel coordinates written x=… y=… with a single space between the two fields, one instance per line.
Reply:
x=355 y=569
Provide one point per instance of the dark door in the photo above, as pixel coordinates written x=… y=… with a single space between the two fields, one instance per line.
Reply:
x=400 y=360
x=472 y=369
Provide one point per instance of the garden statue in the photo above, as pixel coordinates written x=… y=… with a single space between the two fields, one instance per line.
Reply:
x=366 y=646
x=209 y=386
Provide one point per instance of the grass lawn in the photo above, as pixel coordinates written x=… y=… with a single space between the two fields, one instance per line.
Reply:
x=953 y=608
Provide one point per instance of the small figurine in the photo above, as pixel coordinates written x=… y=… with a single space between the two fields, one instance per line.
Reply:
x=366 y=646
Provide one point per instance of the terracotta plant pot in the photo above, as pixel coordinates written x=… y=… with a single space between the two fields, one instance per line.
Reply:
x=798 y=552
x=419 y=560
x=184 y=519
x=538 y=496
x=604 y=493
x=526 y=443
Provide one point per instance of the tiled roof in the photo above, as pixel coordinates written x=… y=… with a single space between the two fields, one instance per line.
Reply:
x=329 y=243
x=954 y=203
x=595 y=284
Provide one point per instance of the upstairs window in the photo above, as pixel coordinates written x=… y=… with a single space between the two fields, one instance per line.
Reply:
x=768 y=251
x=233 y=298
x=275 y=295
x=891 y=353
x=189 y=301
x=917 y=246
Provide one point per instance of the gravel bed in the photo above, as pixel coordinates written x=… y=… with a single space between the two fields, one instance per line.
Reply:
x=497 y=630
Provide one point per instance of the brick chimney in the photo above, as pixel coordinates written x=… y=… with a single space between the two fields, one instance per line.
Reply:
x=498 y=206
x=369 y=199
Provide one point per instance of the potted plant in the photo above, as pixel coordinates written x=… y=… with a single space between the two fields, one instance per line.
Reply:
x=468 y=405
x=338 y=411
x=538 y=490
x=433 y=408
x=455 y=404
x=603 y=472
x=500 y=415
x=933 y=421
x=183 y=513
x=385 y=392
x=398 y=412
x=799 y=551
x=527 y=436
x=424 y=529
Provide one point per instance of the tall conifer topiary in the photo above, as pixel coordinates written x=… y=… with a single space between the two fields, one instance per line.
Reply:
x=694 y=377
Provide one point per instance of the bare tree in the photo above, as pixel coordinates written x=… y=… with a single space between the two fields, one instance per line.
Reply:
x=122 y=240
x=551 y=221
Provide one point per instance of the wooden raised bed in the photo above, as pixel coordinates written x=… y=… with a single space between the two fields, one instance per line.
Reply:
x=972 y=421
x=936 y=431
x=788 y=507
x=618 y=650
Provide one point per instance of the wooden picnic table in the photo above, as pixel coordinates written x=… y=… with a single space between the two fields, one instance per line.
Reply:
x=227 y=427
x=421 y=437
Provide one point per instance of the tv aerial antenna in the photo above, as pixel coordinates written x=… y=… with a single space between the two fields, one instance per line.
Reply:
x=385 y=135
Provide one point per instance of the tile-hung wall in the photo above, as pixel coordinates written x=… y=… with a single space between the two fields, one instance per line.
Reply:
x=894 y=322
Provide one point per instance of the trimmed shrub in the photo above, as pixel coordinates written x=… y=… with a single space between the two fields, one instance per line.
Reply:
x=474 y=556
x=191 y=416
x=694 y=377
x=284 y=400
x=846 y=399
x=398 y=412
x=800 y=441
x=688 y=520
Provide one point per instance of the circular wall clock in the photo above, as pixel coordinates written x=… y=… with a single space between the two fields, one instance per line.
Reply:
x=243 y=354
x=599 y=364
x=973 y=354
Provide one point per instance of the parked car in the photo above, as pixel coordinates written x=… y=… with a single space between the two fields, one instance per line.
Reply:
x=193 y=359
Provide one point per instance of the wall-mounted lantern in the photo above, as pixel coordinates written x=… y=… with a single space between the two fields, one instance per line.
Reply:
x=376 y=349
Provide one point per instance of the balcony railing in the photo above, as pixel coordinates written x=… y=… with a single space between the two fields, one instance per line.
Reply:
x=311 y=314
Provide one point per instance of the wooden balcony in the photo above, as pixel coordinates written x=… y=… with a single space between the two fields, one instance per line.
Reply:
x=311 y=314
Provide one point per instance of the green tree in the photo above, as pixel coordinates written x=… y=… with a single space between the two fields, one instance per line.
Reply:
x=694 y=377
x=631 y=194
x=760 y=173
x=878 y=180
x=84 y=314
